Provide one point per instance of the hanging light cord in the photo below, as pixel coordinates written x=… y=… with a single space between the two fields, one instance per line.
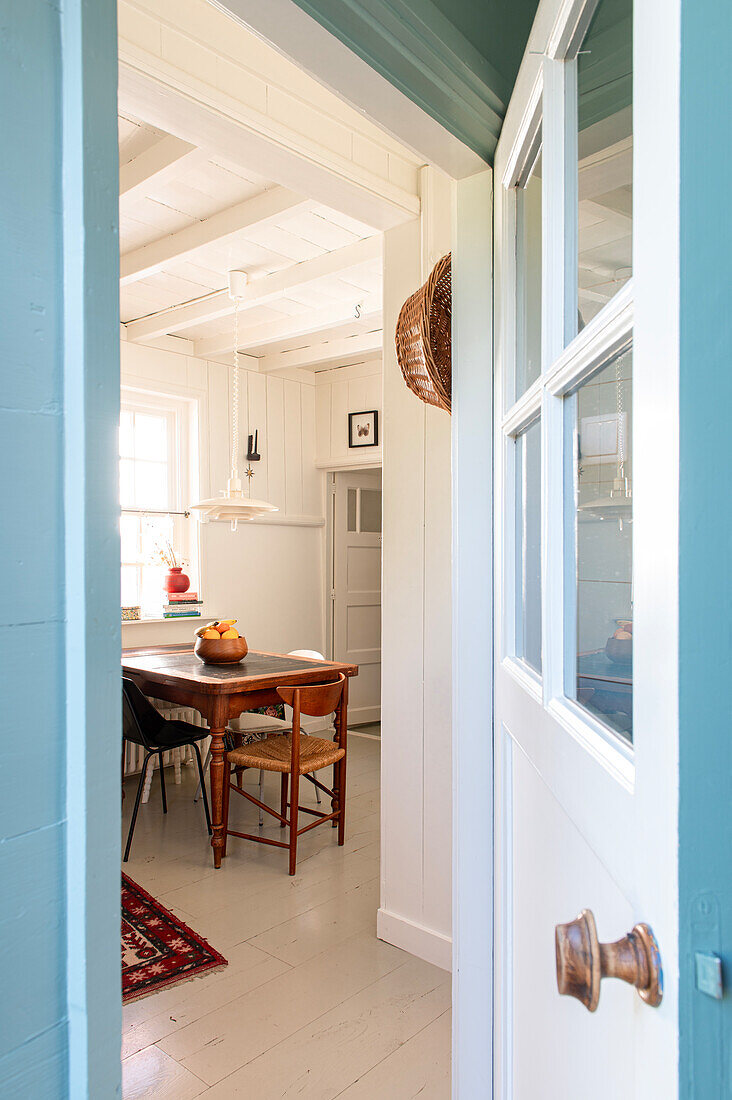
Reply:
x=235 y=396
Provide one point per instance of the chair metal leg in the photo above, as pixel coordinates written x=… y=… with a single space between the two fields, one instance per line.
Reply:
x=261 y=796
x=311 y=779
x=202 y=781
x=206 y=763
x=162 y=783
x=140 y=785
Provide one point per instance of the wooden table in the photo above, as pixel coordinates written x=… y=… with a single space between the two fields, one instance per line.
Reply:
x=220 y=693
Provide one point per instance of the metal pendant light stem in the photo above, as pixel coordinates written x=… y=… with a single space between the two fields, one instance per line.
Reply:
x=235 y=398
x=232 y=505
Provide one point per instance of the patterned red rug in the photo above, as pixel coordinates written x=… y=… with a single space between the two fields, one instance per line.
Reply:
x=158 y=950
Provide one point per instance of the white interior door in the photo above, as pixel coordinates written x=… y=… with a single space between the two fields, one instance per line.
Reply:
x=356 y=593
x=585 y=726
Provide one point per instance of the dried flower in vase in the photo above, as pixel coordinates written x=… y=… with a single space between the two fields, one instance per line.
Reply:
x=165 y=553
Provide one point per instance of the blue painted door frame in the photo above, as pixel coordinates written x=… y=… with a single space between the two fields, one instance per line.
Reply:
x=705 y=544
x=59 y=631
x=59 y=860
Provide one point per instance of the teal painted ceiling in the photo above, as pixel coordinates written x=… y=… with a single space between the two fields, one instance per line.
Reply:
x=497 y=29
x=456 y=59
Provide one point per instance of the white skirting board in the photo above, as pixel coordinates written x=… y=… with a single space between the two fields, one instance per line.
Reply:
x=434 y=947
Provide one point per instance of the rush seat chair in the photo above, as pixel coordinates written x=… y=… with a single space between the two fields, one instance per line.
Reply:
x=295 y=754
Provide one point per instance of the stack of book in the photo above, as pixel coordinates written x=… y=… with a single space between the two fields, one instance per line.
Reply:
x=182 y=605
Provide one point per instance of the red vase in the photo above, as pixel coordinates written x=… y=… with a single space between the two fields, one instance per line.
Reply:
x=176 y=580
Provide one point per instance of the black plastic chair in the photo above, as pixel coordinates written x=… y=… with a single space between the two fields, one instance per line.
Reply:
x=144 y=725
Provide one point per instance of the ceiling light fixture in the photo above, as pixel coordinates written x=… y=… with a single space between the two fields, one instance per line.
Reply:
x=232 y=505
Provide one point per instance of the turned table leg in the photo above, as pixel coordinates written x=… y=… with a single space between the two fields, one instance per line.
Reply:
x=217 y=770
x=341 y=723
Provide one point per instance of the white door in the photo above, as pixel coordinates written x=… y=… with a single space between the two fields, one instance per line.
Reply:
x=356 y=592
x=585 y=723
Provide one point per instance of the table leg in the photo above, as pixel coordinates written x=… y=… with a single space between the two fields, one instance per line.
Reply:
x=342 y=764
x=216 y=773
x=341 y=719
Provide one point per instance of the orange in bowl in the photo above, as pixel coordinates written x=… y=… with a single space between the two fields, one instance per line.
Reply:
x=219 y=643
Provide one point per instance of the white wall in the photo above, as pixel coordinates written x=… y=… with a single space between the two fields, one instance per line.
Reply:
x=415 y=910
x=269 y=575
x=338 y=393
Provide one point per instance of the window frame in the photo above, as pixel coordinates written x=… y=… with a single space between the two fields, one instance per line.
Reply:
x=182 y=464
x=548 y=125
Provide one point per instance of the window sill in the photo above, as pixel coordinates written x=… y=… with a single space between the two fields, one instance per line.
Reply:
x=176 y=619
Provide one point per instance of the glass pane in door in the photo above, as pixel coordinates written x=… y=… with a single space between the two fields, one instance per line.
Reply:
x=605 y=151
x=370 y=511
x=599 y=435
x=528 y=545
x=528 y=282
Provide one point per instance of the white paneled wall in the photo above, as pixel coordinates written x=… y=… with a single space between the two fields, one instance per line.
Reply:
x=269 y=574
x=416 y=722
x=338 y=393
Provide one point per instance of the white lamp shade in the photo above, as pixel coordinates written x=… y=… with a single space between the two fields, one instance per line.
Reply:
x=230 y=506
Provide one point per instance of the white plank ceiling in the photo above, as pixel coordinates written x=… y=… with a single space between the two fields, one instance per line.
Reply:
x=188 y=218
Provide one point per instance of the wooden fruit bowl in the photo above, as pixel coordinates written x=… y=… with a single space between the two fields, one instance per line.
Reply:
x=620 y=650
x=221 y=651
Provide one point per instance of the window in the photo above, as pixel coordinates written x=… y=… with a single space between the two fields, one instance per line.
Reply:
x=364 y=511
x=157 y=482
x=564 y=339
x=528 y=282
x=528 y=545
x=605 y=156
x=600 y=518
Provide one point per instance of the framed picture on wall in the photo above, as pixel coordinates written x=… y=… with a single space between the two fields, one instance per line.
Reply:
x=363 y=429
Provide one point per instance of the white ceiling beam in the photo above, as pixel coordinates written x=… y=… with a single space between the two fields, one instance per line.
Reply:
x=172 y=100
x=606 y=170
x=334 y=64
x=137 y=174
x=261 y=210
x=260 y=291
x=353 y=349
x=293 y=327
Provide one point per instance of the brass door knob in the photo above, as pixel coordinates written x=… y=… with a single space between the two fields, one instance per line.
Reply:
x=582 y=961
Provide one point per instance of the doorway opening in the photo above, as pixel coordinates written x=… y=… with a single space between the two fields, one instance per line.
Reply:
x=305 y=356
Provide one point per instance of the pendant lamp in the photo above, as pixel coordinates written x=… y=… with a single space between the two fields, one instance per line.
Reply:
x=232 y=505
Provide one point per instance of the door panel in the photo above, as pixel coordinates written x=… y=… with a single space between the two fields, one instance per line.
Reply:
x=555 y=875
x=357 y=588
x=584 y=780
x=364 y=569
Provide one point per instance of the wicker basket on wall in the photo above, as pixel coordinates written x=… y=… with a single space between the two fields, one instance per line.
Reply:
x=423 y=338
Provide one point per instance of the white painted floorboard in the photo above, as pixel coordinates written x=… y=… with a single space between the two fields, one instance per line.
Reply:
x=311 y=1004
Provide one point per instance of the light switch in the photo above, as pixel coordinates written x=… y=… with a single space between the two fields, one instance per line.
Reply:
x=709 y=975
